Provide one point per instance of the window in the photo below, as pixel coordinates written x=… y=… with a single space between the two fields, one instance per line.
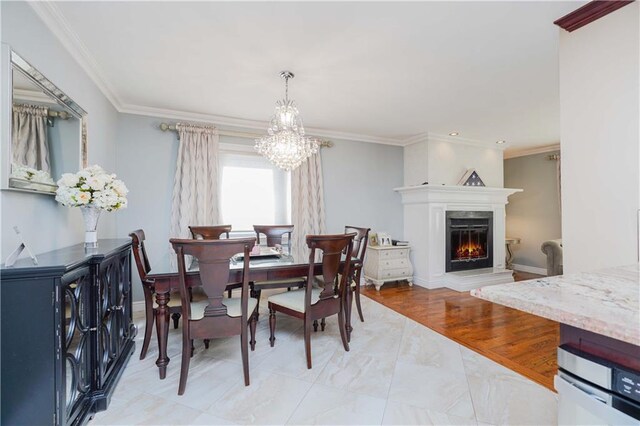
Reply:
x=253 y=191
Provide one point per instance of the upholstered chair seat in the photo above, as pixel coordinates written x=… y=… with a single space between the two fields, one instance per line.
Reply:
x=294 y=300
x=234 y=308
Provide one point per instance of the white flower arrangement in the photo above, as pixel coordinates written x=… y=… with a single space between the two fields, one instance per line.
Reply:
x=20 y=171
x=92 y=187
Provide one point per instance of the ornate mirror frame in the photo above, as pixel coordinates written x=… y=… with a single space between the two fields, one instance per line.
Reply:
x=11 y=60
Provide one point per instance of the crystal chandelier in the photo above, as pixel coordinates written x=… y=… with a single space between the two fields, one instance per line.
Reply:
x=285 y=145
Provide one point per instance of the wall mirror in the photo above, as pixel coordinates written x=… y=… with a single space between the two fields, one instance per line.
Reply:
x=44 y=131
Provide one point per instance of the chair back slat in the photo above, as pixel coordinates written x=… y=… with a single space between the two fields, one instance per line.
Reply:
x=213 y=232
x=214 y=263
x=274 y=234
x=332 y=247
x=140 y=253
x=359 y=241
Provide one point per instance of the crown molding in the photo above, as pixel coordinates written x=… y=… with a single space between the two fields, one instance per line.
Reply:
x=589 y=13
x=428 y=136
x=514 y=153
x=466 y=141
x=56 y=22
x=240 y=124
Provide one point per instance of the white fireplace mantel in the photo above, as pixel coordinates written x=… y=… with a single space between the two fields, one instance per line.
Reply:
x=425 y=208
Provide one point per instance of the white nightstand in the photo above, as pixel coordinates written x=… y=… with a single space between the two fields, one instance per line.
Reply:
x=387 y=263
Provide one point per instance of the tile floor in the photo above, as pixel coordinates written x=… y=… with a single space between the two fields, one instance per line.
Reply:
x=397 y=372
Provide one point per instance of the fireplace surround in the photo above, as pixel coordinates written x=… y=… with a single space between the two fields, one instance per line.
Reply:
x=425 y=227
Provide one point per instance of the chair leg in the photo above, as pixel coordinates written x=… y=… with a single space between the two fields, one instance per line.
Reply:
x=245 y=354
x=252 y=329
x=307 y=342
x=176 y=320
x=315 y=326
x=187 y=353
x=148 y=329
x=192 y=348
x=343 y=330
x=258 y=294
x=322 y=324
x=272 y=326
x=358 y=306
x=229 y=293
x=206 y=343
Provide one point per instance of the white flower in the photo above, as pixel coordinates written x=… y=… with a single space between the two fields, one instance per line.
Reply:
x=92 y=186
x=120 y=187
x=68 y=179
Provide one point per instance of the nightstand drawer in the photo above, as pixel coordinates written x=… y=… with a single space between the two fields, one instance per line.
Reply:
x=396 y=273
x=394 y=254
x=394 y=263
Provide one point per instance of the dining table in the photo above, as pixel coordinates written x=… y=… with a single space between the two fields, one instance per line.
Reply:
x=271 y=268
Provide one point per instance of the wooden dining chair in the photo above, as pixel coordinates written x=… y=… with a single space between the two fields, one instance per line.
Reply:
x=275 y=236
x=217 y=316
x=312 y=303
x=213 y=232
x=358 y=252
x=148 y=289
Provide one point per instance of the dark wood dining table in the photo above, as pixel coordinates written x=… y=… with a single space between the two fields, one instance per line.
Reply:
x=272 y=269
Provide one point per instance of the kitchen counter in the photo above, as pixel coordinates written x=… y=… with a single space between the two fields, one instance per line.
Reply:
x=605 y=302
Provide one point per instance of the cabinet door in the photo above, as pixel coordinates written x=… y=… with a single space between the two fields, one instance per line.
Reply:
x=76 y=302
x=115 y=323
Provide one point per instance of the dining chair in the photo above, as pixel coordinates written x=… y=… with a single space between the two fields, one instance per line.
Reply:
x=217 y=316
x=213 y=232
x=312 y=303
x=148 y=289
x=274 y=236
x=358 y=252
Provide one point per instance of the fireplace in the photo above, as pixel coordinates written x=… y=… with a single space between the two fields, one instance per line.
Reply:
x=469 y=242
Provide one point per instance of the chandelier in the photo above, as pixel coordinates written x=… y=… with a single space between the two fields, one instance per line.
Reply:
x=285 y=144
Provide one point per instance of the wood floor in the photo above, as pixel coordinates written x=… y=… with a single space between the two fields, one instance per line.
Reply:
x=520 y=341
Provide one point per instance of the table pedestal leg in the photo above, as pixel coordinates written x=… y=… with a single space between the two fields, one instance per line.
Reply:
x=162 y=327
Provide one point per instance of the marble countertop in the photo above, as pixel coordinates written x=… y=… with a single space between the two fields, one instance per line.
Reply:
x=606 y=302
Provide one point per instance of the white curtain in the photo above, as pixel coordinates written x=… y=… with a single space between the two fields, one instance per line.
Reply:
x=307 y=205
x=195 y=188
x=29 y=144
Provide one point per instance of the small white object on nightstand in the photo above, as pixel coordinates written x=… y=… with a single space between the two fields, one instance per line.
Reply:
x=387 y=263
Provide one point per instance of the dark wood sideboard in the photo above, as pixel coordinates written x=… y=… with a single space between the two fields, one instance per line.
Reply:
x=66 y=333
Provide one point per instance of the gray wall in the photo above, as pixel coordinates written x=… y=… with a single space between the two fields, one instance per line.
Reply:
x=45 y=224
x=534 y=214
x=359 y=179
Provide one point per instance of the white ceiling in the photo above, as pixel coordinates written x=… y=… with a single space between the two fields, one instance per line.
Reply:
x=488 y=70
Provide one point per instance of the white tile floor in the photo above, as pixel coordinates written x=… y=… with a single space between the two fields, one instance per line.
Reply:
x=397 y=372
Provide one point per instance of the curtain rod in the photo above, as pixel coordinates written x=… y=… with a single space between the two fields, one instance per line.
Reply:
x=62 y=115
x=172 y=127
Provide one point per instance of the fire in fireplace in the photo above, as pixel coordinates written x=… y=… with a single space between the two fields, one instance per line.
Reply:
x=469 y=240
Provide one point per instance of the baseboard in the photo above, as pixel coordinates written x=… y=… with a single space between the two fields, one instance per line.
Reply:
x=530 y=269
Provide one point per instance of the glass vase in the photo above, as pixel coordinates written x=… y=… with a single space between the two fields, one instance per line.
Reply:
x=91 y=216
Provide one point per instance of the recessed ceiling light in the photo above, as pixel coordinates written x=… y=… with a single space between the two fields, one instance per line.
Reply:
x=453 y=134
x=501 y=142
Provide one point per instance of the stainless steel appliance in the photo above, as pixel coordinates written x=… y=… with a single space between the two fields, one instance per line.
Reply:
x=592 y=390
